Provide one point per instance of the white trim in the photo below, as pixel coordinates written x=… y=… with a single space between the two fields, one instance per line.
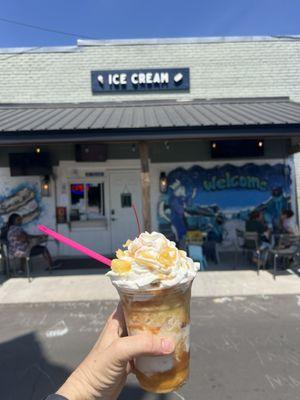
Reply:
x=31 y=50
x=145 y=41
x=187 y=40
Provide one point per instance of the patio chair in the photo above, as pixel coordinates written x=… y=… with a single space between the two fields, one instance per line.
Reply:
x=10 y=261
x=196 y=253
x=27 y=261
x=226 y=246
x=249 y=243
x=288 y=248
x=193 y=243
x=4 y=257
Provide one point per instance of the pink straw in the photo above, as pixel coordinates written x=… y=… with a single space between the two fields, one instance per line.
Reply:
x=137 y=219
x=74 y=245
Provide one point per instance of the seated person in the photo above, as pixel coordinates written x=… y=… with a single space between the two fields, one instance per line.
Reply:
x=257 y=224
x=287 y=223
x=21 y=244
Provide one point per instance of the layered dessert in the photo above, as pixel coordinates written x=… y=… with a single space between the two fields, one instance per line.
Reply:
x=154 y=280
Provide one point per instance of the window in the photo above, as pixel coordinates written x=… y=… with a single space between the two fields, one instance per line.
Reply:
x=126 y=200
x=87 y=201
x=95 y=199
x=77 y=194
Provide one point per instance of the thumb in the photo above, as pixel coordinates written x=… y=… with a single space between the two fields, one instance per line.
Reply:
x=126 y=348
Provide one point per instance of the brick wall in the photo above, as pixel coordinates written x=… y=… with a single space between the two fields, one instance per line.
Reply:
x=232 y=68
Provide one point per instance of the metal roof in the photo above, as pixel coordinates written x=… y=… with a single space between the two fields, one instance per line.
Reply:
x=149 y=115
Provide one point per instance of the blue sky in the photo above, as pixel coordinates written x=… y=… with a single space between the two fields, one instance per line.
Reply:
x=111 y=19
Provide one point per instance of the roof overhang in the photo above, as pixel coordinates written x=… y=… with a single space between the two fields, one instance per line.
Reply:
x=155 y=120
x=278 y=132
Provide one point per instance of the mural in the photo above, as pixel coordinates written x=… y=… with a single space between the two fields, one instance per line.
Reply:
x=24 y=199
x=219 y=200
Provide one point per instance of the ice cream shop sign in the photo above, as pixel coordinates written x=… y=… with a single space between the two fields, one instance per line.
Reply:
x=144 y=80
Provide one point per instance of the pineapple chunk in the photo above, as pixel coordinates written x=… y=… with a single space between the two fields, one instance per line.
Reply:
x=120 y=253
x=120 y=266
x=167 y=256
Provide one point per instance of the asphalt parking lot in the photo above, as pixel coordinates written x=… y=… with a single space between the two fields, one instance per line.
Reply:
x=241 y=348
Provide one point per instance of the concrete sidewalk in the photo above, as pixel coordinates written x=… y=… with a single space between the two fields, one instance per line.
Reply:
x=98 y=287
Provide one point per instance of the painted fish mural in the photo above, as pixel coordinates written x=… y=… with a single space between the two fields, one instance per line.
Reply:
x=24 y=201
x=17 y=200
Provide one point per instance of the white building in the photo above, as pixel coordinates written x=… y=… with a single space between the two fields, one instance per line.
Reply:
x=219 y=117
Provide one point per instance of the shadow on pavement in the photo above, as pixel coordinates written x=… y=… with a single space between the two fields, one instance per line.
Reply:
x=285 y=271
x=25 y=372
x=66 y=266
x=82 y=265
x=131 y=392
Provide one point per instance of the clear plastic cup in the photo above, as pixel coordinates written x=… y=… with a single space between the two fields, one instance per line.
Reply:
x=165 y=313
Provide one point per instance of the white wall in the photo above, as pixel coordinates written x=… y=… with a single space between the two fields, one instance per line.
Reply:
x=44 y=206
x=94 y=237
x=231 y=68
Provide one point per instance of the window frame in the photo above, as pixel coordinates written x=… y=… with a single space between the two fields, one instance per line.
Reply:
x=85 y=181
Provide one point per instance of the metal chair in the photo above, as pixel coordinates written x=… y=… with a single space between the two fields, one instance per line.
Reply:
x=249 y=243
x=4 y=257
x=239 y=243
x=288 y=247
x=10 y=261
x=226 y=246
x=28 y=263
x=27 y=260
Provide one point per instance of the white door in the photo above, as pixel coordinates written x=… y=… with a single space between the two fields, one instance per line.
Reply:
x=125 y=189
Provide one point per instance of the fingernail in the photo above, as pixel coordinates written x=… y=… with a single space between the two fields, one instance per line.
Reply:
x=167 y=345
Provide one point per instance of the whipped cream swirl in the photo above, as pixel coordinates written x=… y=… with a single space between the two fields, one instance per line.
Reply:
x=151 y=260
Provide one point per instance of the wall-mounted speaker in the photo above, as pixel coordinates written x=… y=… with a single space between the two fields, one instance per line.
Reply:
x=240 y=148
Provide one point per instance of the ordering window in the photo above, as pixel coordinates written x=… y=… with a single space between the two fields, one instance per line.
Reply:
x=87 y=201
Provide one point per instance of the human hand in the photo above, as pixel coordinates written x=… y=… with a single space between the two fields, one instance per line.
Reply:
x=103 y=373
